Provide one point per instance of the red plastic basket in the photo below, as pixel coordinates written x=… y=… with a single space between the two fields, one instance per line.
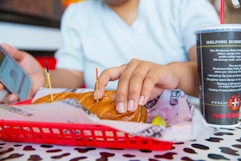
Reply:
x=76 y=135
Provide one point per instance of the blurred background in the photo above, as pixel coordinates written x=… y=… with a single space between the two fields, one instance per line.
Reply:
x=33 y=25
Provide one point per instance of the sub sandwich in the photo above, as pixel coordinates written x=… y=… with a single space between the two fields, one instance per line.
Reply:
x=104 y=108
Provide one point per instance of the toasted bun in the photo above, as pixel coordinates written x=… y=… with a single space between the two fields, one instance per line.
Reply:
x=104 y=109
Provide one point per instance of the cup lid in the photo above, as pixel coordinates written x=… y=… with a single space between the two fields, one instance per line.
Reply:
x=218 y=28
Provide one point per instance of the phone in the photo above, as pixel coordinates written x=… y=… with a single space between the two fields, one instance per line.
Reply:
x=13 y=77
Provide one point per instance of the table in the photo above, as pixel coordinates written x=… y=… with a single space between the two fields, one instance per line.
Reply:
x=225 y=144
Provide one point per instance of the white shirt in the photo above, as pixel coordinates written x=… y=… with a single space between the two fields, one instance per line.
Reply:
x=163 y=32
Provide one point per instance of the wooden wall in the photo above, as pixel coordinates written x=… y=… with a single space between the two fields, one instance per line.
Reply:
x=31 y=11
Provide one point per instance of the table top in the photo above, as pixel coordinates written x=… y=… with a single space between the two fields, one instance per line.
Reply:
x=224 y=144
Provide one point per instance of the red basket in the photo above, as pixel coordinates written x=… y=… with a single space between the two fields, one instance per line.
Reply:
x=76 y=135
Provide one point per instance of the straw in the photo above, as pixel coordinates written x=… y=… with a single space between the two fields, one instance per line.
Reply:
x=48 y=78
x=222 y=12
x=97 y=84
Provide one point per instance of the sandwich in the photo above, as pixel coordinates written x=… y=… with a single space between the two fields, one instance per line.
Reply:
x=104 y=108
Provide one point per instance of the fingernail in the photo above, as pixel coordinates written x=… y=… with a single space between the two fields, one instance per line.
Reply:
x=141 y=100
x=120 y=107
x=96 y=94
x=131 y=105
x=11 y=99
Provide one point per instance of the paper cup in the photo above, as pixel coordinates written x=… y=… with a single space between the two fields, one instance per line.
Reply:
x=219 y=67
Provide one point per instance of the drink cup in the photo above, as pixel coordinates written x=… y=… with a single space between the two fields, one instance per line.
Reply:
x=219 y=67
